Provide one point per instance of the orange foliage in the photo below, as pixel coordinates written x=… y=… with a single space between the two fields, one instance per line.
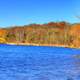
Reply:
x=2 y=32
x=75 y=30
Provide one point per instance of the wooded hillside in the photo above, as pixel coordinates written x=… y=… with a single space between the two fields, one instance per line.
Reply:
x=60 y=33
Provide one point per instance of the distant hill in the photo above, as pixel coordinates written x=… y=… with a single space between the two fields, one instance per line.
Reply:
x=52 y=33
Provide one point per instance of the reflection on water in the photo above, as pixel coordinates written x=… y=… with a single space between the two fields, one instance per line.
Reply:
x=39 y=63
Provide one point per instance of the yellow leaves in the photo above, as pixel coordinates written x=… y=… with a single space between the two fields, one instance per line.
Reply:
x=71 y=46
x=2 y=40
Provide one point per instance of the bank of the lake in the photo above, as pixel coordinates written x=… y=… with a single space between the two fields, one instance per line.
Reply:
x=53 y=45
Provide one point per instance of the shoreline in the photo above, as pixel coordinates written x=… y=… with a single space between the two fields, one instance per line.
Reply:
x=51 y=45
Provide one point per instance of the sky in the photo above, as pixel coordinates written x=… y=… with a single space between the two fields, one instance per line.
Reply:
x=24 y=12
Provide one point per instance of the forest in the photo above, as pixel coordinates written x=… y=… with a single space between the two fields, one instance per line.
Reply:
x=54 y=33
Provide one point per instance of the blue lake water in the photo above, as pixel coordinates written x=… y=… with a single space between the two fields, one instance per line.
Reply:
x=39 y=63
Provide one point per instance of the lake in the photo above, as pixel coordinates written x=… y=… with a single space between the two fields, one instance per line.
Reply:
x=39 y=63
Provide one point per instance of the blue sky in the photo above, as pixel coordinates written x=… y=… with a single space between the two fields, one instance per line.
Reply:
x=22 y=12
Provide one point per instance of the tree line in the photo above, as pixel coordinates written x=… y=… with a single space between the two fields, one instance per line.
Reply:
x=51 y=33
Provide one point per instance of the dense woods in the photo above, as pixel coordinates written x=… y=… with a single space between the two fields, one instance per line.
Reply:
x=60 y=33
